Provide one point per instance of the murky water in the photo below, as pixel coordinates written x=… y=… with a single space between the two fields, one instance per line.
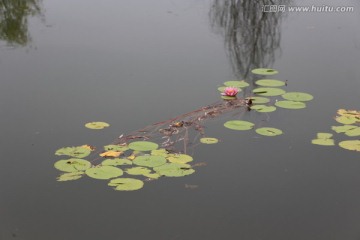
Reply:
x=133 y=63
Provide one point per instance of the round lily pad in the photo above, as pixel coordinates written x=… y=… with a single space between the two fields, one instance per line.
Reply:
x=149 y=161
x=268 y=91
x=353 y=132
x=259 y=100
x=346 y=119
x=179 y=158
x=209 y=140
x=239 y=125
x=222 y=88
x=116 y=148
x=297 y=96
x=323 y=141
x=290 y=104
x=228 y=97
x=69 y=176
x=263 y=108
x=267 y=131
x=143 y=146
x=126 y=184
x=174 y=170
x=138 y=171
x=97 y=125
x=353 y=145
x=239 y=84
x=264 y=71
x=344 y=128
x=72 y=165
x=76 y=152
x=270 y=83
x=160 y=152
x=324 y=135
x=104 y=172
x=116 y=162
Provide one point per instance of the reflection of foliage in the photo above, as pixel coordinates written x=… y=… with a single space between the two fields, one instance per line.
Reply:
x=251 y=36
x=14 y=20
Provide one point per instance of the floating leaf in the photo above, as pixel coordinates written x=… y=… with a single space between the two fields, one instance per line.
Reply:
x=268 y=92
x=160 y=152
x=323 y=139
x=174 y=170
x=116 y=148
x=69 y=176
x=110 y=154
x=179 y=158
x=263 y=108
x=126 y=184
x=228 y=98
x=290 y=104
x=344 y=128
x=209 y=140
x=267 y=131
x=137 y=171
x=346 y=119
x=91 y=148
x=297 y=96
x=76 y=152
x=222 y=88
x=270 y=83
x=264 y=71
x=150 y=161
x=239 y=84
x=116 y=162
x=72 y=165
x=143 y=146
x=104 y=172
x=259 y=100
x=239 y=125
x=152 y=175
x=97 y=125
x=353 y=145
x=353 y=132
x=349 y=113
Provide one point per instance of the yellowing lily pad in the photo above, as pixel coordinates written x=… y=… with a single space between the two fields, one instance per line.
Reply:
x=116 y=162
x=149 y=160
x=267 y=131
x=290 y=104
x=239 y=84
x=126 y=184
x=268 y=91
x=104 y=172
x=76 y=152
x=69 y=176
x=263 y=108
x=270 y=83
x=174 y=170
x=353 y=145
x=239 y=125
x=208 y=140
x=110 y=154
x=72 y=165
x=264 y=71
x=179 y=158
x=297 y=96
x=97 y=125
x=349 y=113
x=143 y=146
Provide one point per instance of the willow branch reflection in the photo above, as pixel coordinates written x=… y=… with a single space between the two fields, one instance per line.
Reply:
x=14 y=20
x=252 y=37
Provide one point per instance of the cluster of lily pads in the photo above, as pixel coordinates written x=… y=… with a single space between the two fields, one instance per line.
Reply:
x=139 y=161
x=261 y=102
x=350 y=128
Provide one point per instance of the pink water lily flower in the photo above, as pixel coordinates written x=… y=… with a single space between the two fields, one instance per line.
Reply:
x=230 y=91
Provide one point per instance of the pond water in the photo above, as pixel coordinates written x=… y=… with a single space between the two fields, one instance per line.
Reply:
x=133 y=63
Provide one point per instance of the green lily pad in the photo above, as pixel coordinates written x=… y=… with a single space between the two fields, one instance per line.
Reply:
x=116 y=162
x=209 y=140
x=323 y=139
x=152 y=175
x=346 y=119
x=69 y=176
x=263 y=108
x=126 y=184
x=353 y=132
x=179 y=158
x=259 y=100
x=104 y=172
x=267 y=131
x=149 y=161
x=239 y=125
x=116 y=148
x=297 y=96
x=174 y=170
x=228 y=98
x=344 y=128
x=353 y=145
x=268 y=92
x=222 y=88
x=270 y=83
x=324 y=135
x=76 y=152
x=97 y=125
x=239 y=84
x=138 y=171
x=72 y=165
x=160 y=152
x=290 y=104
x=143 y=146
x=264 y=71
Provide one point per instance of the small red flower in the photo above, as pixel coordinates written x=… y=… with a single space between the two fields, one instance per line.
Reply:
x=230 y=91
